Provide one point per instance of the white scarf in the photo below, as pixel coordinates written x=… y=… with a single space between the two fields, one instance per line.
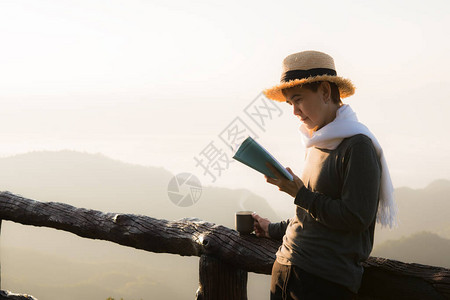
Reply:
x=346 y=125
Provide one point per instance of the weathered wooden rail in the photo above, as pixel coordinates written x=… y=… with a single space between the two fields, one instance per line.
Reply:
x=225 y=256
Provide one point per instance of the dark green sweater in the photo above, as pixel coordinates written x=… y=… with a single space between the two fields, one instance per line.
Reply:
x=332 y=231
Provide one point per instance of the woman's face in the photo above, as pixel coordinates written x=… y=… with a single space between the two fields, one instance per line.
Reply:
x=312 y=108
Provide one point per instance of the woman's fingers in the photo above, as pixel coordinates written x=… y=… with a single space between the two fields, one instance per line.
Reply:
x=274 y=170
x=284 y=184
x=256 y=219
x=270 y=179
x=290 y=171
x=258 y=230
x=260 y=225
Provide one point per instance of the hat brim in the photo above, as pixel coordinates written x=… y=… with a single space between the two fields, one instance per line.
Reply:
x=345 y=86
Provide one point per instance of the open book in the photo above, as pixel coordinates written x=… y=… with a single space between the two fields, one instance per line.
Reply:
x=255 y=156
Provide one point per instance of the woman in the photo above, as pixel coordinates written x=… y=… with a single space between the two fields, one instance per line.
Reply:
x=344 y=189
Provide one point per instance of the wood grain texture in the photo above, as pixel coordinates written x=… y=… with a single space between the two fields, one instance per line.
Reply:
x=220 y=281
x=7 y=295
x=383 y=278
x=186 y=237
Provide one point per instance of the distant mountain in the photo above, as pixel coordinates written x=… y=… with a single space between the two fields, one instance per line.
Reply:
x=424 y=247
x=48 y=263
x=98 y=182
x=85 y=180
x=421 y=210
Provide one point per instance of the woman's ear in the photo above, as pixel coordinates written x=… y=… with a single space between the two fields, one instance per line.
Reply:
x=326 y=91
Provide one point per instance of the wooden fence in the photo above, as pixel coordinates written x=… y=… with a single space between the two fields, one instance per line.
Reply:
x=225 y=256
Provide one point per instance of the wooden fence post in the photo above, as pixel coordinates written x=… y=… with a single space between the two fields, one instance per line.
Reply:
x=219 y=280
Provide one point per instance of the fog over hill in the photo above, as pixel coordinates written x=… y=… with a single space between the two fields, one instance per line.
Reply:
x=421 y=210
x=97 y=182
x=423 y=247
x=45 y=262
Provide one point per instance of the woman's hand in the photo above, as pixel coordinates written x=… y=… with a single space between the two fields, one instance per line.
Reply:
x=261 y=225
x=284 y=184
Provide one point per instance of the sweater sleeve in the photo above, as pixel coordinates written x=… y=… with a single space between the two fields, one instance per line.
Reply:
x=357 y=208
x=277 y=230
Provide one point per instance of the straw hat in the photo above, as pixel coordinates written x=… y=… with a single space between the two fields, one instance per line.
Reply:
x=309 y=66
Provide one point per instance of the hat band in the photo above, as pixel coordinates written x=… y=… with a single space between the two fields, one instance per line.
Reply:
x=301 y=74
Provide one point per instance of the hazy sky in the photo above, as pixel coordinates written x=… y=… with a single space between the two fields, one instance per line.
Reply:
x=154 y=82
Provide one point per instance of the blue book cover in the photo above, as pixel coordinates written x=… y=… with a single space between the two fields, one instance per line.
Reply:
x=252 y=154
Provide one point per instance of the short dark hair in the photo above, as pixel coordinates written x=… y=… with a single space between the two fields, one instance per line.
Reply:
x=314 y=86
